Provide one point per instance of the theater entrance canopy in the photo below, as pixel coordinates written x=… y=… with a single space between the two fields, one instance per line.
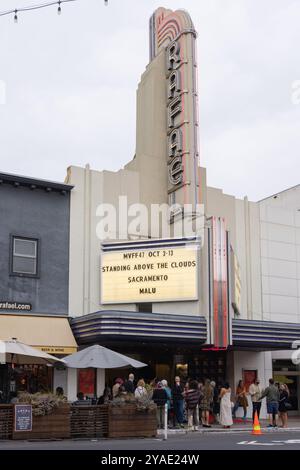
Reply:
x=107 y=326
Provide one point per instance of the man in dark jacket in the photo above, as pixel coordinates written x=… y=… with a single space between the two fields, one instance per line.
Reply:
x=177 y=393
x=129 y=384
x=160 y=398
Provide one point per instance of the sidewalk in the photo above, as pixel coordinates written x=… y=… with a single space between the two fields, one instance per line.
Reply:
x=239 y=426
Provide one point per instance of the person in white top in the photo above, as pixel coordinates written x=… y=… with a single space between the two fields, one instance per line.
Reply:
x=140 y=390
x=255 y=393
x=225 y=406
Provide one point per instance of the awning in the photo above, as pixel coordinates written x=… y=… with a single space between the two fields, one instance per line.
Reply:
x=265 y=335
x=137 y=326
x=50 y=334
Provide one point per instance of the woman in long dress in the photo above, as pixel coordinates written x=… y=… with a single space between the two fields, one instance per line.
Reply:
x=225 y=406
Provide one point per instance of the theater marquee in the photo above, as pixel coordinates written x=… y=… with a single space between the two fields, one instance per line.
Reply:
x=149 y=275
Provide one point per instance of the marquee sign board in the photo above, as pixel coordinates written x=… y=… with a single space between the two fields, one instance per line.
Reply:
x=149 y=275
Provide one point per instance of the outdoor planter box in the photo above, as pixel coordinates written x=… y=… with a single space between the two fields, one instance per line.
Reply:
x=127 y=421
x=53 y=426
x=6 y=421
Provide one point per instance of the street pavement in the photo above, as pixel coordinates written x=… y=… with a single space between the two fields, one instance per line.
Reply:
x=272 y=439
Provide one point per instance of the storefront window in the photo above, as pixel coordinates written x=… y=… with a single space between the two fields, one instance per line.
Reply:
x=284 y=371
x=209 y=365
x=30 y=378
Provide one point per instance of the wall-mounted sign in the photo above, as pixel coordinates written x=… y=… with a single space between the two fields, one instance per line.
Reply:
x=23 y=418
x=5 y=305
x=57 y=349
x=86 y=381
x=149 y=275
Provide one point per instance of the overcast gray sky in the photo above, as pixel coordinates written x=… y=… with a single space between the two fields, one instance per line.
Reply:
x=71 y=84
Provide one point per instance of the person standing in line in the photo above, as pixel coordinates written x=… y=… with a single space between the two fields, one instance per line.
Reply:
x=160 y=398
x=206 y=403
x=164 y=383
x=216 y=402
x=225 y=406
x=255 y=394
x=140 y=390
x=193 y=398
x=241 y=399
x=271 y=393
x=283 y=400
x=129 y=384
x=116 y=386
x=177 y=392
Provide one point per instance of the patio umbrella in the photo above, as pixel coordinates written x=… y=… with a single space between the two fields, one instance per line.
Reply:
x=100 y=357
x=19 y=353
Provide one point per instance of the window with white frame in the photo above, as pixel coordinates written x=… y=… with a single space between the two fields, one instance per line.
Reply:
x=24 y=256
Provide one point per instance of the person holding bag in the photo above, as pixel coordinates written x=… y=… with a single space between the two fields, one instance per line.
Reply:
x=284 y=404
x=241 y=399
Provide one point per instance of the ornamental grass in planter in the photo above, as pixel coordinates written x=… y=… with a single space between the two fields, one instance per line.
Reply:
x=131 y=417
x=50 y=416
x=42 y=403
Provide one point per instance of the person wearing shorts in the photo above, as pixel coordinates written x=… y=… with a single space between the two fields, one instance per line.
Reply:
x=272 y=395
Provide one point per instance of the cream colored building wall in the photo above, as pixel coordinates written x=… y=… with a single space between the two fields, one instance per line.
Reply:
x=254 y=264
x=92 y=188
x=151 y=134
x=280 y=248
x=242 y=221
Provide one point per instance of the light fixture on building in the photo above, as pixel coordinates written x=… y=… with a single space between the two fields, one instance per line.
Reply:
x=16 y=16
x=59 y=8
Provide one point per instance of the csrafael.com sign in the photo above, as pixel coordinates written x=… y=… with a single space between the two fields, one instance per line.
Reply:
x=4 y=305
